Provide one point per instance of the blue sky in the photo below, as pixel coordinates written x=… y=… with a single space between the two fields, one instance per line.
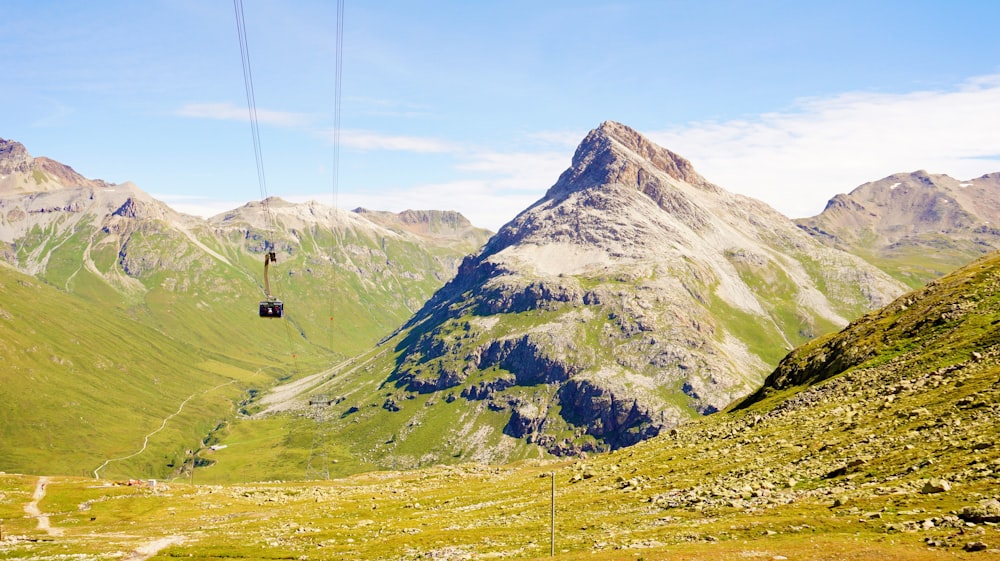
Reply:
x=478 y=106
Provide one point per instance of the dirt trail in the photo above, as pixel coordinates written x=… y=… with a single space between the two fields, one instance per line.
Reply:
x=32 y=508
x=163 y=425
x=140 y=553
x=144 y=552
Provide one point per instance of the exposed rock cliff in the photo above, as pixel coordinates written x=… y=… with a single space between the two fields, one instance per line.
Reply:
x=21 y=173
x=632 y=295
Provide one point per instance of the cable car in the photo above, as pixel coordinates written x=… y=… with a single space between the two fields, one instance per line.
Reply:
x=271 y=307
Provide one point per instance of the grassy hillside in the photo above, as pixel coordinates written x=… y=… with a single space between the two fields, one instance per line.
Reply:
x=893 y=458
x=83 y=385
x=142 y=322
x=889 y=453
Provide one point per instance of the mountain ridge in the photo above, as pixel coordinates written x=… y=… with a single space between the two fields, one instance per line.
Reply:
x=620 y=304
x=892 y=457
x=632 y=297
x=917 y=226
x=21 y=173
x=346 y=282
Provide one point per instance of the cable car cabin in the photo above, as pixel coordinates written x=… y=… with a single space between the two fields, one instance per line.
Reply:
x=272 y=309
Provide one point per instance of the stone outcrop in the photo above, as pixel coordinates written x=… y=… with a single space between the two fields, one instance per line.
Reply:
x=626 y=291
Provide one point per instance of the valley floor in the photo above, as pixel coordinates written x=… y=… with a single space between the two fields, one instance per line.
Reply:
x=897 y=461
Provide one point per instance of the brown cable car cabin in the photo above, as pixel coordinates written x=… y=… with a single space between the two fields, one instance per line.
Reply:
x=271 y=307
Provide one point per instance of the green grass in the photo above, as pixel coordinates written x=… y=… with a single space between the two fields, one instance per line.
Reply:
x=718 y=488
x=39 y=176
x=96 y=360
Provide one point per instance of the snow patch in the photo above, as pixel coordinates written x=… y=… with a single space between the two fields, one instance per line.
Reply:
x=894 y=185
x=965 y=185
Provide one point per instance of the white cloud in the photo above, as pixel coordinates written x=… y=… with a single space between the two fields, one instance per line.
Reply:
x=498 y=185
x=369 y=140
x=519 y=171
x=477 y=200
x=794 y=160
x=204 y=207
x=230 y=112
x=507 y=183
x=797 y=160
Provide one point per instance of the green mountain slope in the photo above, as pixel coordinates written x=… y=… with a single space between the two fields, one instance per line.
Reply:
x=940 y=327
x=631 y=298
x=889 y=452
x=172 y=304
x=82 y=384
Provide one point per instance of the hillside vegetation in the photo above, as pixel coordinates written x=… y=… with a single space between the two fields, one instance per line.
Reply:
x=634 y=296
x=82 y=385
x=887 y=452
x=129 y=332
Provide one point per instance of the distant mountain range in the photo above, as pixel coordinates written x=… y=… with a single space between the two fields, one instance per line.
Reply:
x=634 y=296
x=916 y=226
x=877 y=441
x=102 y=254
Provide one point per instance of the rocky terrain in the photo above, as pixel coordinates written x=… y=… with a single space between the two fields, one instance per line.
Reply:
x=916 y=226
x=885 y=453
x=629 y=281
x=632 y=297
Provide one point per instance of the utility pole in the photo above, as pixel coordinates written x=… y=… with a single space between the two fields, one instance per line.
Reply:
x=552 y=540
x=318 y=465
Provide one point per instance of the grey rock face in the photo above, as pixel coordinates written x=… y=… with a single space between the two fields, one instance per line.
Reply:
x=638 y=293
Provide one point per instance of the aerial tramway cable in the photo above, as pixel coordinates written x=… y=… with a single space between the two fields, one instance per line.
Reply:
x=335 y=138
x=270 y=306
x=318 y=464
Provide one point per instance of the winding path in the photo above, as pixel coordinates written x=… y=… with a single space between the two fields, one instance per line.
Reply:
x=32 y=508
x=144 y=552
x=145 y=442
x=140 y=553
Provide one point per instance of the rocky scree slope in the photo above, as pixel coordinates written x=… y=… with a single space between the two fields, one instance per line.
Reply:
x=632 y=296
x=916 y=226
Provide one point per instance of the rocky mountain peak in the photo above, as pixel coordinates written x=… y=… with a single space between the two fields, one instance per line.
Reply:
x=616 y=154
x=627 y=290
x=21 y=173
x=912 y=213
x=14 y=157
x=672 y=164
x=616 y=171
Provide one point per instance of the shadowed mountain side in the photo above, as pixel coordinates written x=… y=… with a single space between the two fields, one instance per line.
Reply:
x=630 y=298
